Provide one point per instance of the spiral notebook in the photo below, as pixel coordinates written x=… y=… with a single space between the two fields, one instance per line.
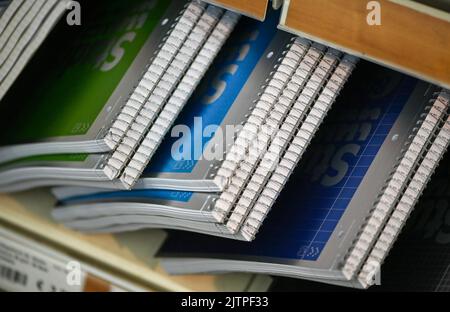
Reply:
x=150 y=45
x=79 y=72
x=339 y=224
x=183 y=48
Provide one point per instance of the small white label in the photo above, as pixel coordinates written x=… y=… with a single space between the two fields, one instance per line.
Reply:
x=23 y=269
x=28 y=265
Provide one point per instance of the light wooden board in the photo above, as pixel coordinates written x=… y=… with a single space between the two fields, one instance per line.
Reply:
x=431 y=9
x=253 y=8
x=130 y=255
x=407 y=39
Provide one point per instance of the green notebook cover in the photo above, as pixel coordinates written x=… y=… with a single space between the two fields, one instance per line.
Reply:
x=74 y=74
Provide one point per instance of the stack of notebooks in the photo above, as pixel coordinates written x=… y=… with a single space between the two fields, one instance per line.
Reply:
x=256 y=111
x=186 y=116
x=127 y=72
x=240 y=135
x=24 y=24
x=347 y=201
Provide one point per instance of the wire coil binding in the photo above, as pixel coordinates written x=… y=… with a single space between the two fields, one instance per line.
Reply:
x=395 y=185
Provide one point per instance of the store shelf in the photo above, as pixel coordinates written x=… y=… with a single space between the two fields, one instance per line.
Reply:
x=253 y=8
x=412 y=37
x=128 y=255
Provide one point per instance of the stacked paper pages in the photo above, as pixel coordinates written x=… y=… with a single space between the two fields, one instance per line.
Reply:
x=23 y=27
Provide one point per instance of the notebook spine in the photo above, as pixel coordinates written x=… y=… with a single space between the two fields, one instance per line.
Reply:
x=179 y=98
x=276 y=83
x=161 y=77
x=405 y=206
x=271 y=154
x=233 y=171
x=168 y=86
x=296 y=144
x=395 y=185
x=174 y=37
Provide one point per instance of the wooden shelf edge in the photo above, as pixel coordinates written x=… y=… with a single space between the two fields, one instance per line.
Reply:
x=425 y=9
x=12 y=214
x=252 y=8
x=407 y=40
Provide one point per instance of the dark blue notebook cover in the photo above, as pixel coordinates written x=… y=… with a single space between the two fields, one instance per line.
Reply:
x=318 y=193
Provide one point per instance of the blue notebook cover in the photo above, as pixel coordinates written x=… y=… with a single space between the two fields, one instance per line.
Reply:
x=217 y=92
x=318 y=193
x=420 y=260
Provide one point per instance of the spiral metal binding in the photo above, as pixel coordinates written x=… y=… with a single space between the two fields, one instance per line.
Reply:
x=272 y=91
x=162 y=91
x=408 y=200
x=268 y=158
x=178 y=99
x=395 y=186
x=298 y=64
x=173 y=41
x=296 y=144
